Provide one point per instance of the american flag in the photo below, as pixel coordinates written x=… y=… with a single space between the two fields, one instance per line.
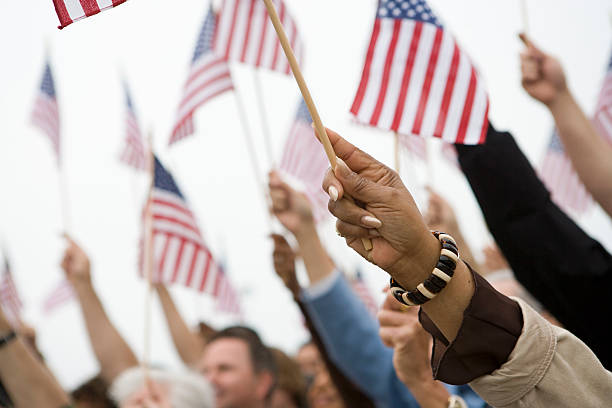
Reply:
x=603 y=111
x=415 y=145
x=227 y=299
x=45 y=114
x=9 y=297
x=305 y=161
x=134 y=152
x=561 y=179
x=179 y=252
x=61 y=294
x=69 y=11
x=363 y=293
x=246 y=34
x=209 y=76
x=417 y=81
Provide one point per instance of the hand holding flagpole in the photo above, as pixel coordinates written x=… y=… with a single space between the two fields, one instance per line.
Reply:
x=299 y=78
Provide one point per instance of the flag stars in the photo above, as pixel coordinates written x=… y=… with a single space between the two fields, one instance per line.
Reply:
x=397 y=12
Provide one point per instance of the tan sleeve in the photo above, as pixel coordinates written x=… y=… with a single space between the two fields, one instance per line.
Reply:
x=549 y=367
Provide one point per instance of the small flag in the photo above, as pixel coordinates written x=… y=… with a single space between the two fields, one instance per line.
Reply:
x=603 y=111
x=304 y=160
x=59 y=296
x=227 y=300
x=561 y=179
x=9 y=297
x=209 y=76
x=247 y=35
x=417 y=81
x=45 y=114
x=363 y=293
x=180 y=254
x=69 y=11
x=134 y=152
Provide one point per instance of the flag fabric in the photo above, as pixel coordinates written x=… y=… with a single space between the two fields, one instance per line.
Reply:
x=363 y=293
x=416 y=79
x=69 y=11
x=10 y=302
x=134 y=152
x=227 y=298
x=59 y=296
x=415 y=145
x=305 y=161
x=209 y=76
x=45 y=114
x=179 y=252
x=603 y=112
x=560 y=178
x=246 y=34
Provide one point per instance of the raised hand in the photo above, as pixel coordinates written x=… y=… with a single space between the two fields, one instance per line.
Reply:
x=290 y=206
x=76 y=263
x=284 y=263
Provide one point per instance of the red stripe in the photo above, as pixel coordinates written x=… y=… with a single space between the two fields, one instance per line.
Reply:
x=262 y=39
x=431 y=69
x=248 y=31
x=194 y=258
x=204 y=85
x=485 y=125
x=467 y=108
x=90 y=7
x=205 y=274
x=448 y=93
x=231 y=33
x=363 y=85
x=176 y=221
x=218 y=279
x=401 y=101
x=177 y=263
x=62 y=13
x=173 y=205
x=117 y=2
x=397 y=24
x=276 y=42
x=196 y=74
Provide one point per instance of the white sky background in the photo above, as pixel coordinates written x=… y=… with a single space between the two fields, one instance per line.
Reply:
x=151 y=43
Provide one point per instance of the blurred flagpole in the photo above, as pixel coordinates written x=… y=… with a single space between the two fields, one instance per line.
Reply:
x=264 y=117
x=525 y=17
x=396 y=151
x=299 y=78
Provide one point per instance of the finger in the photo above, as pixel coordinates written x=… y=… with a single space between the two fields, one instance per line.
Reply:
x=354 y=231
x=395 y=318
x=391 y=303
x=332 y=186
x=359 y=187
x=531 y=48
x=350 y=213
x=280 y=200
x=354 y=157
x=388 y=335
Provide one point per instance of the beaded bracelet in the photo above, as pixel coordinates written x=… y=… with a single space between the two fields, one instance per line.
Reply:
x=439 y=278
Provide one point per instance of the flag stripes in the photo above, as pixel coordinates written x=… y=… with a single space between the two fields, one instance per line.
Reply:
x=10 y=301
x=62 y=293
x=134 y=153
x=45 y=113
x=69 y=11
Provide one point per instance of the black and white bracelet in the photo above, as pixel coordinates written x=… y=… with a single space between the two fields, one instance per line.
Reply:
x=439 y=278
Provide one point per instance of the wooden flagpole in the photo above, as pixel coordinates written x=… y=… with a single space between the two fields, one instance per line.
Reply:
x=64 y=201
x=299 y=78
x=251 y=150
x=525 y=17
x=264 y=117
x=148 y=261
x=396 y=151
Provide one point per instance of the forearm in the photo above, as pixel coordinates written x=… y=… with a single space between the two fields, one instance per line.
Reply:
x=590 y=154
x=429 y=393
x=112 y=352
x=316 y=259
x=188 y=344
x=27 y=381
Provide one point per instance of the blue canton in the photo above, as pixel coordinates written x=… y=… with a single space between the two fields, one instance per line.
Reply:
x=555 y=144
x=303 y=114
x=128 y=98
x=47 y=86
x=164 y=180
x=416 y=10
x=205 y=39
x=610 y=64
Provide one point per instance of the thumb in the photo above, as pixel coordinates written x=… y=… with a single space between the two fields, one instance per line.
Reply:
x=532 y=50
x=356 y=185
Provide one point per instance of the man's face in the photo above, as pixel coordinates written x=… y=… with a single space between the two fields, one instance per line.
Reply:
x=227 y=364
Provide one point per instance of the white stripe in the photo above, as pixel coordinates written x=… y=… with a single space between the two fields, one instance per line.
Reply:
x=257 y=24
x=159 y=241
x=477 y=115
x=438 y=85
x=75 y=10
x=224 y=26
x=170 y=259
x=239 y=30
x=102 y=4
x=396 y=74
x=377 y=67
x=172 y=228
x=270 y=41
x=186 y=257
x=457 y=104
x=203 y=95
x=210 y=278
x=198 y=270
x=419 y=71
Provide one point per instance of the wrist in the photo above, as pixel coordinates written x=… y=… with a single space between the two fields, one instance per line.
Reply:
x=414 y=269
x=429 y=392
x=305 y=232
x=558 y=104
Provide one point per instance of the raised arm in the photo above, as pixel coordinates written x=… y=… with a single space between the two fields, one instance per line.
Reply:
x=112 y=352
x=591 y=154
x=188 y=344
x=26 y=380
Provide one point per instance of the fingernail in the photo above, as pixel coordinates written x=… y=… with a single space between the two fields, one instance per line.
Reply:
x=342 y=168
x=370 y=221
x=333 y=193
